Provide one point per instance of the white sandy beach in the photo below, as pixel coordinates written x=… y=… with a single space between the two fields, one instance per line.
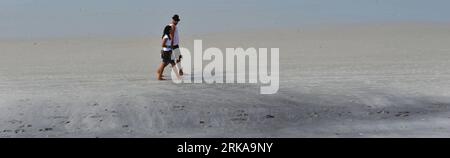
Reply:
x=390 y=80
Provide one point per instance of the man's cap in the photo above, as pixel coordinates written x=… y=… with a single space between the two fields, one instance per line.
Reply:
x=176 y=17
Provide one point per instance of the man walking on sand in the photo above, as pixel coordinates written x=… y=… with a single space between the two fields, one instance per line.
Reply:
x=176 y=55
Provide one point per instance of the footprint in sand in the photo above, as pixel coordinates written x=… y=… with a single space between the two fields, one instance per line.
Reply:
x=15 y=121
x=45 y=129
x=178 y=107
x=402 y=114
x=240 y=116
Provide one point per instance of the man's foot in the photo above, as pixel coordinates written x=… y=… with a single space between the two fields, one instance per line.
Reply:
x=181 y=72
x=161 y=79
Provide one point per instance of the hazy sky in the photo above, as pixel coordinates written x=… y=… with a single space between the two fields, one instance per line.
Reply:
x=59 y=18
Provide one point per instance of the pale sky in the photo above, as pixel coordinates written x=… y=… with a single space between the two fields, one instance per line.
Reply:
x=61 y=18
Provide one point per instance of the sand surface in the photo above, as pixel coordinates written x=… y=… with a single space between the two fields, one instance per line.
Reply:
x=388 y=80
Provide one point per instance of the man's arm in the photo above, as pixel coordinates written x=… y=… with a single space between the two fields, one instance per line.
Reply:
x=172 y=33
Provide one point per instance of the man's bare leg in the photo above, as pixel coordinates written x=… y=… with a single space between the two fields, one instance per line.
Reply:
x=174 y=67
x=179 y=66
